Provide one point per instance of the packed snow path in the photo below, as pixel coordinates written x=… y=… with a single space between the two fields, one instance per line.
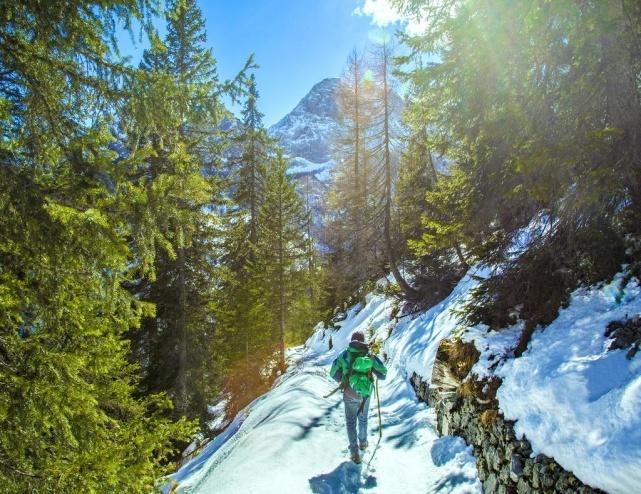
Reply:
x=293 y=440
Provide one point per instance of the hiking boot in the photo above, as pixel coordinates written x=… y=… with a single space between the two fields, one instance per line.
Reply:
x=363 y=446
x=356 y=458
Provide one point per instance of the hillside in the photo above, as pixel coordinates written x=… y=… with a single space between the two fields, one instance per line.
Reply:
x=293 y=439
x=580 y=407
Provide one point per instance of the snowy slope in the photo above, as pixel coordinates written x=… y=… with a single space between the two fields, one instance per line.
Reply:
x=293 y=440
x=571 y=397
x=577 y=401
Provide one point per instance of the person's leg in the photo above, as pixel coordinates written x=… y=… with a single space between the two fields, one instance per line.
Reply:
x=351 y=410
x=362 y=423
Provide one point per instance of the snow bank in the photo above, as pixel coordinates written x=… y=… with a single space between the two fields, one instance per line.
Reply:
x=302 y=166
x=413 y=344
x=293 y=440
x=576 y=401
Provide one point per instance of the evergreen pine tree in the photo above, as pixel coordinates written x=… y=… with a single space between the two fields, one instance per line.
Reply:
x=282 y=250
x=416 y=175
x=246 y=322
x=177 y=118
x=71 y=419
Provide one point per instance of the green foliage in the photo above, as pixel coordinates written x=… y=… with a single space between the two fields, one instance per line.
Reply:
x=536 y=106
x=70 y=415
x=282 y=261
x=171 y=123
x=416 y=175
x=270 y=290
x=447 y=216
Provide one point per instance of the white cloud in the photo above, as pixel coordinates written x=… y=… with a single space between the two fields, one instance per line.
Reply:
x=383 y=13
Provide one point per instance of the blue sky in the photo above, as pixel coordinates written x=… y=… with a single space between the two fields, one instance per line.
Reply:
x=297 y=43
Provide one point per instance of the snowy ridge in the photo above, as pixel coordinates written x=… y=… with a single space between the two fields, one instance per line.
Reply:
x=293 y=440
x=306 y=135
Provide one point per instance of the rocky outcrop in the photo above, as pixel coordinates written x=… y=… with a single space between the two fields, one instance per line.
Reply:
x=468 y=408
x=625 y=334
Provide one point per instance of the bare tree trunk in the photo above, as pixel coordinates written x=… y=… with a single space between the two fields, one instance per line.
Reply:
x=310 y=249
x=461 y=257
x=389 y=250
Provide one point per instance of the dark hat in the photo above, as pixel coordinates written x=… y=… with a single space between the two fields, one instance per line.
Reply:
x=358 y=336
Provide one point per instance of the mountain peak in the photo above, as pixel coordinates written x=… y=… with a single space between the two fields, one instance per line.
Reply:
x=307 y=131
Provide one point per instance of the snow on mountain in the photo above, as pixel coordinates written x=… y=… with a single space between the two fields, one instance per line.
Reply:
x=307 y=135
x=309 y=129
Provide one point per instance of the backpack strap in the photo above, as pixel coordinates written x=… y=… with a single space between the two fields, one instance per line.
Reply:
x=350 y=371
x=344 y=380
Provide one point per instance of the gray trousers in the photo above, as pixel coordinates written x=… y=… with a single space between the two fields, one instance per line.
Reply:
x=352 y=404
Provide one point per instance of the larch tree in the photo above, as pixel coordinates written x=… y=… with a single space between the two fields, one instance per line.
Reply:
x=382 y=145
x=351 y=219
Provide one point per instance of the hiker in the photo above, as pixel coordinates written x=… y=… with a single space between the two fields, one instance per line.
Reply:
x=353 y=368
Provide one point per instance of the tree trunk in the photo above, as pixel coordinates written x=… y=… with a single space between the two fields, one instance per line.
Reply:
x=281 y=287
x=461 y=257
x=389 y=250
x=182 y=330
x=253 y=199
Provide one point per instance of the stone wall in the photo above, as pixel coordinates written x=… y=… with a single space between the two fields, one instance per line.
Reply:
x=468 y=408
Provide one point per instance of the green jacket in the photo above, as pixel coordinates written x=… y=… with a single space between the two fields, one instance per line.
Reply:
x=341 y=365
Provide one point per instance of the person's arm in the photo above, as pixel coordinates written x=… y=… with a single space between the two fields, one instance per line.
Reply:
x=379 y=368
x=337 y=370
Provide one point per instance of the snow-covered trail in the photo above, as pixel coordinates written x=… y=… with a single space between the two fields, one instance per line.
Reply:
x=293 y=440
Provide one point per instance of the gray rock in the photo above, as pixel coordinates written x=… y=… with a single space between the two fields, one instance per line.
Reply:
x=516 y=467
x=522 y=487
x=491 y=485
x=481 y=467
x=504 y=474
x=535 y=476
x=492 y=458
x=547 y=477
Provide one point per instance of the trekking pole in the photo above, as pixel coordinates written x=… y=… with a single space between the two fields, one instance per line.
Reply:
x=378 y=402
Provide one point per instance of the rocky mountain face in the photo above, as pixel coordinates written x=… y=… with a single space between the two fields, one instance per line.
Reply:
x=307 y=135
x=307 y=132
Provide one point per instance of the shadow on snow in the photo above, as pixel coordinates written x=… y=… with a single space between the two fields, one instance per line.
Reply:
x=344 y=479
